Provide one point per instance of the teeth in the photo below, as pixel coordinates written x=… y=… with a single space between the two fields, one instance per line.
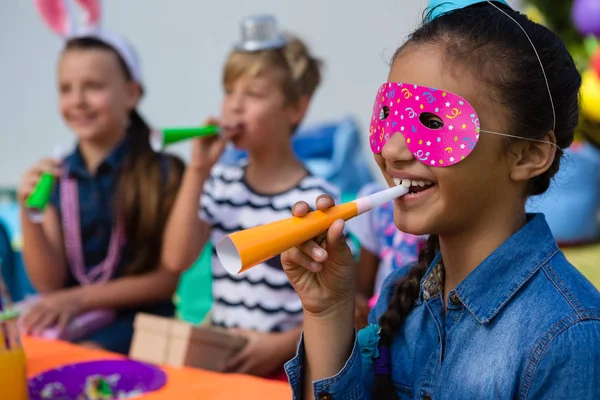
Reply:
x=408 y=182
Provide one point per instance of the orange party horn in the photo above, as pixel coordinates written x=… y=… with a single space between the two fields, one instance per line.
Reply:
x=244 y=249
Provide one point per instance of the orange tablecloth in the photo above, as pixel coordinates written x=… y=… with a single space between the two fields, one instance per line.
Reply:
x=182 y=383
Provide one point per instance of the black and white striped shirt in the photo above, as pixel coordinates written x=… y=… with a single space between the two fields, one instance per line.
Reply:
x=260 y=298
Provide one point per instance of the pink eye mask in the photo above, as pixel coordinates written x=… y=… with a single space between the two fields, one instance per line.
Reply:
x=440 y=128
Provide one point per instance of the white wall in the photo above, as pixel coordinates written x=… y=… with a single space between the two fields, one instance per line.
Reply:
x=182 y=50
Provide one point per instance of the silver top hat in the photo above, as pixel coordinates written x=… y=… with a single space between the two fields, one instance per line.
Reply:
x=260 y=32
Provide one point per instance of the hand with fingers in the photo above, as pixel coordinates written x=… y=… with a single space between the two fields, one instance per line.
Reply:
x=206 y=151
x=321 y=270
x=32 y=176
x=52 y=310
x=261 y=356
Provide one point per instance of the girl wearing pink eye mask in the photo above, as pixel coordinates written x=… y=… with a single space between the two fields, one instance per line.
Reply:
x=479 y=103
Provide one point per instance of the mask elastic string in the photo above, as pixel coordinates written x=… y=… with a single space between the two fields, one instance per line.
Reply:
x=519 y=137
x=541 y=65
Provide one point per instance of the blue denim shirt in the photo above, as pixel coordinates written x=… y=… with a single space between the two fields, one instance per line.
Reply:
x=525 y=324
x=96 y=205
x=96 y=211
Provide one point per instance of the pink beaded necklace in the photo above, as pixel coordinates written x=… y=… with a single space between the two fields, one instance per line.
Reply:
x=69 y=206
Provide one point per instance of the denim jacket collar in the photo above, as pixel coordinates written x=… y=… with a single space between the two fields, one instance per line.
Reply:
x=488 y=288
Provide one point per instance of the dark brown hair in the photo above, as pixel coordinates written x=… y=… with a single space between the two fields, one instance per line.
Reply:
x=497 y=51
x=144 y=198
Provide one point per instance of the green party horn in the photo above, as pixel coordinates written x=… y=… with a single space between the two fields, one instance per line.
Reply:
x=40 y=196
x=9 y=315
x=159 y=139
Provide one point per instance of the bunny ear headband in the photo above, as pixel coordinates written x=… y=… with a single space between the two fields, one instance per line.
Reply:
x=59 y=15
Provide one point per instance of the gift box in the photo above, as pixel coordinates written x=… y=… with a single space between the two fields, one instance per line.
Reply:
x=168 y=341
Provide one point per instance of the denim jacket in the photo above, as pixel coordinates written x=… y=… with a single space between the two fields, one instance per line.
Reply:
x=525 y=324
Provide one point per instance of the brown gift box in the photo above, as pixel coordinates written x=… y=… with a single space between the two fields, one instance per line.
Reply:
x=168 y=341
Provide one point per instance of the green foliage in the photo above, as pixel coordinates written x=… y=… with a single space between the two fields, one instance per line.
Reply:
x=557 y=14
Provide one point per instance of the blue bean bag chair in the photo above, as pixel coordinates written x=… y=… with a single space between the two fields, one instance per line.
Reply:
x=572 y=203
x=13 y=270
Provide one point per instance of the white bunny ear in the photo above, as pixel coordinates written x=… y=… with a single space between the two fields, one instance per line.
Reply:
x=93 y=12
x=54 y=14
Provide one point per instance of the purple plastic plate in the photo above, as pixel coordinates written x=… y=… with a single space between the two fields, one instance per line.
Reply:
x=68 y=382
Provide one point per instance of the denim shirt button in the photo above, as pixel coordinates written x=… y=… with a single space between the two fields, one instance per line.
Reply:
x=325 y=396
x=427 y=397
x=454 y=299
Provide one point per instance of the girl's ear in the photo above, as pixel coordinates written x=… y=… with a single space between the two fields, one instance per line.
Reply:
x=134 y=94
x=54 y=13
x=532 y=158
x=93 y=11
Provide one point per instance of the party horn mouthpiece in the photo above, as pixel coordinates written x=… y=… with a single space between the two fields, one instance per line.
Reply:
x=159 y=139
x=244 y=249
